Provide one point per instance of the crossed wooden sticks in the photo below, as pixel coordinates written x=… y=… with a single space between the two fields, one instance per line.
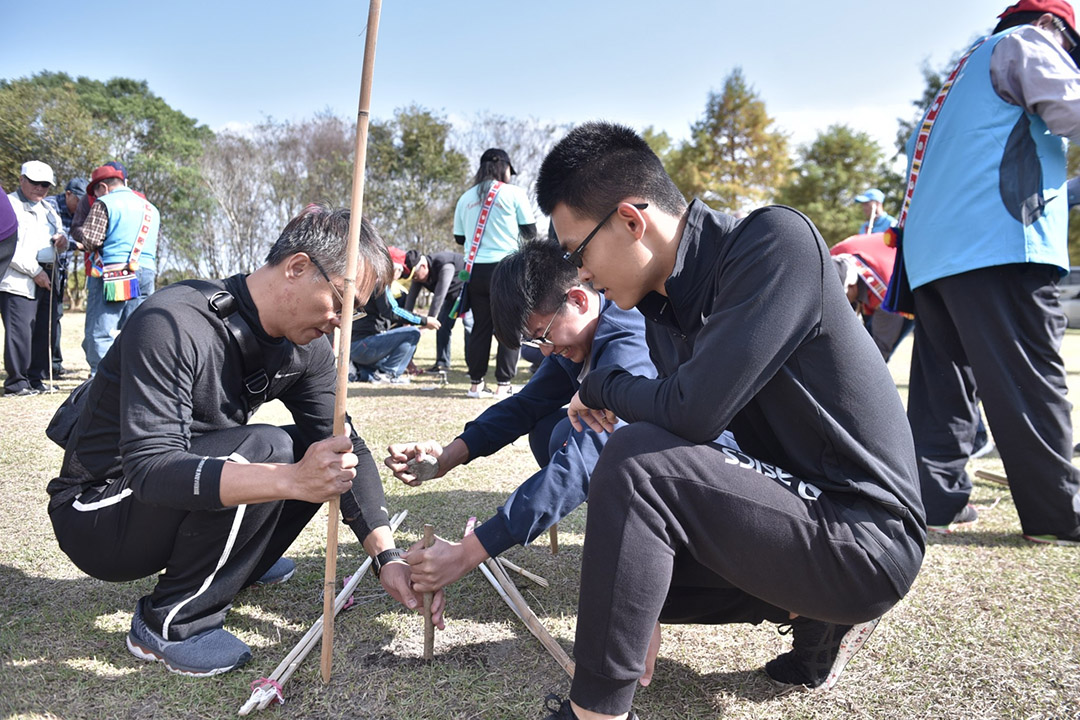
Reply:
x=267 y=690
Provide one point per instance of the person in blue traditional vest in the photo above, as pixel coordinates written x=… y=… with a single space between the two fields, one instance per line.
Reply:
x=984 y=245
x=122 y=231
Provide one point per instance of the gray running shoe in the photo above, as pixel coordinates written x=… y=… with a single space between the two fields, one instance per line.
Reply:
x=209 y=653
x=278 y=573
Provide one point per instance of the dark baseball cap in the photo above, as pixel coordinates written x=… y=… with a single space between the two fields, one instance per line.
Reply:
x=494 y=154
x=76 y=186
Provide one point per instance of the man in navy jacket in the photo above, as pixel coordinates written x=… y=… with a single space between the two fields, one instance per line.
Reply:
x=579 y=331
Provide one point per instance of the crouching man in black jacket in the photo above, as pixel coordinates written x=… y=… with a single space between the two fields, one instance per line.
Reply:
x=816 y=522
x=163 y=472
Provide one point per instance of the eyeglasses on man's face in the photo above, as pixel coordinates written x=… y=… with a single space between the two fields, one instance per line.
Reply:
x=543 y=342
x=357 y=314
x=43 y=184
x=574 y=256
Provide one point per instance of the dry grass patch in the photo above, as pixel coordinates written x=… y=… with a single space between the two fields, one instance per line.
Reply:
x=990 y=630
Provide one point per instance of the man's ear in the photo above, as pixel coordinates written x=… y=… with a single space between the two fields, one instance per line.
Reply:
x=578 y=298
x=633 y=219
x=297 y=265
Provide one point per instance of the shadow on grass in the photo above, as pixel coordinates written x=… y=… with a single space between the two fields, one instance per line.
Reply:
x=976 y=537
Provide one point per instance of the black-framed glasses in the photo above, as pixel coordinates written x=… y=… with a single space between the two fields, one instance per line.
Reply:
x=543 y=341
x=44 y=184
x=574 y=256
x=357 y=313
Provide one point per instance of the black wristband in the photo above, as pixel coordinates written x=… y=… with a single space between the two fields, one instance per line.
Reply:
x=385 y=557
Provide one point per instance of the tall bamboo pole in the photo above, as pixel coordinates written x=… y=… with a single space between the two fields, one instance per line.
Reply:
x=345 y=331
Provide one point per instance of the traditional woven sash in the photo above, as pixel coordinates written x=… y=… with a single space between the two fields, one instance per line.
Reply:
x=121 y=281
x=899 y=298
x=924 y=132
x=474 y=247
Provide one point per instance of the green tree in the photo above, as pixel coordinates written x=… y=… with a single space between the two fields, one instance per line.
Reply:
x=733 y=159
x=414 y=178
x=830 y=171
x=46 y=122
x=77 y=124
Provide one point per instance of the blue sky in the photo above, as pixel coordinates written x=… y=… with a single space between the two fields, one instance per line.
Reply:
x=231 y=64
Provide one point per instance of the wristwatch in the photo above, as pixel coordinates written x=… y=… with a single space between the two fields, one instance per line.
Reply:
x=386 y=556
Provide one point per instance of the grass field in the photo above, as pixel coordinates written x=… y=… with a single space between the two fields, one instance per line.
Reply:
x=991 y=628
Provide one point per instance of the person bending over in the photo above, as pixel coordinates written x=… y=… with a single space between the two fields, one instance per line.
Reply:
x=816 y=522
x=579 y=332
x=162 y=471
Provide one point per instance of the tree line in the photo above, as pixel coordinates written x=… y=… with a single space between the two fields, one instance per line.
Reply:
x=225 y=196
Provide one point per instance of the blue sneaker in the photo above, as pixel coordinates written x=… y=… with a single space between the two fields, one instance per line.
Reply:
x=278 y=573
x=209 y=653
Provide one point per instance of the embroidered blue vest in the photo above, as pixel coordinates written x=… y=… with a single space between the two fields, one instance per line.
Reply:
x=126 y=213
x=992 y=185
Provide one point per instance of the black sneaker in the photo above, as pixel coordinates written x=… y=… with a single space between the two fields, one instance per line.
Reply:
x=819 y=652
x=437 y=369
x=967 y=516
x=25 y=392
x=560 y=709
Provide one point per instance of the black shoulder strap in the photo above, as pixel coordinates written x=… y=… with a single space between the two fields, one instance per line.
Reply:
x=224 y=305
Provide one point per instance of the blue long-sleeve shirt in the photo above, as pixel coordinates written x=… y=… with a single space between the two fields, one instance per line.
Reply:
x=560 y=486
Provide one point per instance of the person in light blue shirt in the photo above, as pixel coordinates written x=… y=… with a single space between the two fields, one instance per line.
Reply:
x=509 y=222
x=877 y=220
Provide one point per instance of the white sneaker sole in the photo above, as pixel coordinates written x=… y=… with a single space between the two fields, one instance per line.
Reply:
x=852 y=643
x=147 y=654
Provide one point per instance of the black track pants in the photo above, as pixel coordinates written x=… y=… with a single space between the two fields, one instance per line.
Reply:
x=682 y=533
x=207 y=556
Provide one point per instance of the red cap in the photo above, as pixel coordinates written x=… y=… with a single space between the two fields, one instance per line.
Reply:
x=103 y=173
x=397 y=256
x=1056 y=7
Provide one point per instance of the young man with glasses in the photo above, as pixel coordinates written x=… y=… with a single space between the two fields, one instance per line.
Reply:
x=163 y=472
x=579 y=331
x=816 y=521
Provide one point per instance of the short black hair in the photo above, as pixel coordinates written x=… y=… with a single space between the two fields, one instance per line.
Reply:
x=534 y=279
x=321 y=232
x=600 y=164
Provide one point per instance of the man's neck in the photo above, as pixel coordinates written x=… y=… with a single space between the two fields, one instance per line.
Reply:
x=260 y=286
x=668 y=232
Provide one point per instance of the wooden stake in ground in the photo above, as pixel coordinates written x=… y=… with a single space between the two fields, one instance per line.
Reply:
x=267 y=690
x=429 y=626
x=553 y=535
x=345 y=331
